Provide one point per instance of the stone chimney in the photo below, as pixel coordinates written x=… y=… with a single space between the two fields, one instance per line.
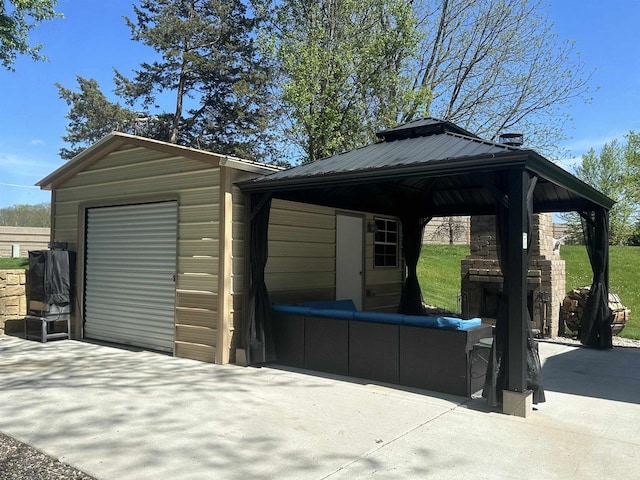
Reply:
x=482 y=281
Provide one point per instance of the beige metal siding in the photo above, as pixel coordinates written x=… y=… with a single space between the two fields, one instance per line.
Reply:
x=237 y=260
x=133 y=174
x=301 y=263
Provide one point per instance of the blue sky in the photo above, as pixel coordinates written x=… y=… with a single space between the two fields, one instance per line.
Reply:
x=93 y=39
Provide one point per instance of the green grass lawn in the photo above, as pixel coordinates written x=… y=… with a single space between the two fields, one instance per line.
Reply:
x=624 y=278
x=439 y=275
x=11 y=263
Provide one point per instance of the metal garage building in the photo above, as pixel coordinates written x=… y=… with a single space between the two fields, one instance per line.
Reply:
x=159 y=234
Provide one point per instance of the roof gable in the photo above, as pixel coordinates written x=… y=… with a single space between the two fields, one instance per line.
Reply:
x=117 y=141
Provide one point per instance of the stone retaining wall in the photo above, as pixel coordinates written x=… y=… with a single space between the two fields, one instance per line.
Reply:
x=13 y=300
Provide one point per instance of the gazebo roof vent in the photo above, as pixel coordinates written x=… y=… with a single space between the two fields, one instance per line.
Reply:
x=421 y=128
x=511 y=139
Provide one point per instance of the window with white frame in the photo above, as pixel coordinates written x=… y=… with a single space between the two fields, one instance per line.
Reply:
x=386 y=243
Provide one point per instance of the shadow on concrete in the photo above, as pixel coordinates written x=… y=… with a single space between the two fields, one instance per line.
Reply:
x=123 y=414
x=608 y=374
x=363 y=381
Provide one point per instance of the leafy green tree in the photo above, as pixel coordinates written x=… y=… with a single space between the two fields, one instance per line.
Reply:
x=632 y=158
x=496 y=66
x=341 y=67
x=210 y=63
x=26 y=215
x=635 y=237
x=208 y=66
x=92 y=116
x=350 y=67
x=17 y=19
x=614 y=172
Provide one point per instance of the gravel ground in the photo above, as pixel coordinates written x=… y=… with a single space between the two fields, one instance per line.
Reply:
x=19 y=461
x=617 y=341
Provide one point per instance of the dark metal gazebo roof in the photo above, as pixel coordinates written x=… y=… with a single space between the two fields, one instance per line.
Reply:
x=430 y=164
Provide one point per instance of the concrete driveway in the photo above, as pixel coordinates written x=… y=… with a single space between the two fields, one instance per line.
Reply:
x=119 y=414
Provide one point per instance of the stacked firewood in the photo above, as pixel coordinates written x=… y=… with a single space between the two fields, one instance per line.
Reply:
x=573 y=307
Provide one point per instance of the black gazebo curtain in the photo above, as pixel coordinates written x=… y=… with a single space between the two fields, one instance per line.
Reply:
x=595 y=327
x=258 y=323
x=411 y=300
x=497 y=368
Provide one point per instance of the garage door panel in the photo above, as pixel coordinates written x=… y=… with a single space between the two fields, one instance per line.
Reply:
x=130 y=270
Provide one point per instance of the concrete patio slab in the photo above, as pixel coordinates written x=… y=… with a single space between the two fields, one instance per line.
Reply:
x=119 y=414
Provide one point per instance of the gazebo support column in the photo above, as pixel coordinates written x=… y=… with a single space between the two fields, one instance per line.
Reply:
x=517 y=400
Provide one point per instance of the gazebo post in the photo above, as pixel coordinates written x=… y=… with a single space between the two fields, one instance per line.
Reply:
x=517 y=400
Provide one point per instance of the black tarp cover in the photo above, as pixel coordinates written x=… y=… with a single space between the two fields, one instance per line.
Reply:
x=411 y=301
x=49 y=277
x=497 y=368
x=595 y=327
x=258 y=335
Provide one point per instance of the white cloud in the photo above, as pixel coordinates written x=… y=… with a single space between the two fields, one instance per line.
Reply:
x=23 y=171
x=37 y=142
x=583 y=145
x=18 y=163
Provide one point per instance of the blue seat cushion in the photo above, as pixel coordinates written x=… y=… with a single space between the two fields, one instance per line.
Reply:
x=448 y=323
x=331 y=305
x=379 y=317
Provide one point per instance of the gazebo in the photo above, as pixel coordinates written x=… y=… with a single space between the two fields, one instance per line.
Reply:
x=428 y=168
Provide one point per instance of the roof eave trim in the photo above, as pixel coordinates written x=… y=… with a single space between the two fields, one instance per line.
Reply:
x=106 y=144
x=500 y=161
x=114 y=140
x=246 y=166
x=552 y=172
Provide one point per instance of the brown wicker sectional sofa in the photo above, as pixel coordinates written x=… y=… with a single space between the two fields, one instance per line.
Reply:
x=432 y=353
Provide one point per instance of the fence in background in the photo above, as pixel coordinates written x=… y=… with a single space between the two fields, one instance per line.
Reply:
x=441 y=229
x=17 y=241
x=436 y=231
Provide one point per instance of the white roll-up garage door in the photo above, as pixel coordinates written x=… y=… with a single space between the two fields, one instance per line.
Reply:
x=130 y=274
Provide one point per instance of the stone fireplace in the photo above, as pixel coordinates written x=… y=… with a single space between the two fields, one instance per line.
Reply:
x=481 y=277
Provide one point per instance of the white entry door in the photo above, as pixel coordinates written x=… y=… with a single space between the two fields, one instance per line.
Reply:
x=349 y=258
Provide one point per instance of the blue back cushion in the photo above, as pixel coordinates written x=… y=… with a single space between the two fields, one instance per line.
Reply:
x=346 y=310
x=379 y=317
x=331 y=305
x=329 y=313
x=292 y=309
